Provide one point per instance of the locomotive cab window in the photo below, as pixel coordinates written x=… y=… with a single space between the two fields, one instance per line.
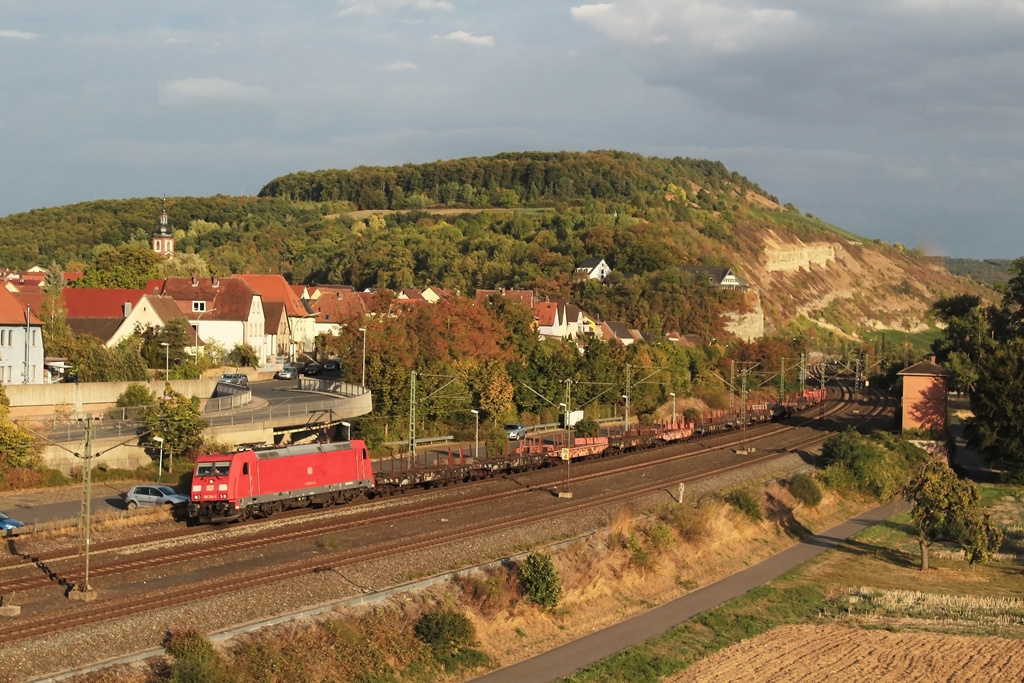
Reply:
x=204 y=469
x=364 y=454
x=221 y=467
x=245 y=468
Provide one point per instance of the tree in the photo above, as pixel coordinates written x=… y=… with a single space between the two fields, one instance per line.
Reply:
x=128 y=266
x=998 y=404
x=243 y=355
x=539 y=580
x=946 y=508
x=17 y=447
x=178 y=420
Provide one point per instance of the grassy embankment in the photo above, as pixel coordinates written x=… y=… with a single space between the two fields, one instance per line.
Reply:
x=871 y=581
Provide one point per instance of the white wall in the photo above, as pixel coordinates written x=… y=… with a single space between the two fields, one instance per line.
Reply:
x=12 y=355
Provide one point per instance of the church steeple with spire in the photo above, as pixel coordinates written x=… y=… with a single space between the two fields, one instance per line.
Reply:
x=163 y=236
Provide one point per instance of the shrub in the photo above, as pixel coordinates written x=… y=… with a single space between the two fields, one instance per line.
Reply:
x=660 y=535
x=745 y=501
x=639 y=555
x=690 y=523
x=243 y=355
x=539 y=581
x=838 y=477
x=587 y=427
x=805 y=489
x=450 y=635
x=195 y=658
x=490 y=592
x=136 y=395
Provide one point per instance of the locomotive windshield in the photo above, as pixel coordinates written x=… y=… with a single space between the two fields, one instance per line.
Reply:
x=207 y=469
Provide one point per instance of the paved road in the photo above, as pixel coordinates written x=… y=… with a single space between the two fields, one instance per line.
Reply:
x=571 y=657
x=48 y=505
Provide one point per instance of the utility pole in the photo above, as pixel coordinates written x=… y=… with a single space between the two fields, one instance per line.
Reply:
x=412 y=415
x=83 y=591
x=782 y=382
x=732 y=385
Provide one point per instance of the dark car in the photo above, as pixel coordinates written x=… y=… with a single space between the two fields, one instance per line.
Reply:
x=331 y=366
x=311 y=369
x=9 y=525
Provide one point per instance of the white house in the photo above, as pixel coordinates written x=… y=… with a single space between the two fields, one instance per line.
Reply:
x=593 y=269
x=21 y=342
x=227 y=311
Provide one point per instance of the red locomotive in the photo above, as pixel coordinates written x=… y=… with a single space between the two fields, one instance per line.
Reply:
x=257 y=483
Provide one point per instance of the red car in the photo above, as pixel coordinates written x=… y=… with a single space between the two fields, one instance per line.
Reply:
x=258 y=483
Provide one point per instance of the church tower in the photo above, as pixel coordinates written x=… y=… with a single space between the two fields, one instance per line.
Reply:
x=163 y=237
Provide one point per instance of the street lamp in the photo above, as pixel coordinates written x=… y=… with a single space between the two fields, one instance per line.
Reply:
x=363 y=330
x=160 y=465
x=673 y=395
x=167 y=359
x=476 y=443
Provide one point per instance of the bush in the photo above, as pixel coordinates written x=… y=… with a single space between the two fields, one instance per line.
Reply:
x=136 y=395
x=639 y=555
x=243 y=355
x=195 y=658
x=805 y=489
x=660 y=535
x=690 y=523
x=587 y=427
x=539 y=581
x=878 y=466
x=450 y=635
x=745 y=501
x=838 y=477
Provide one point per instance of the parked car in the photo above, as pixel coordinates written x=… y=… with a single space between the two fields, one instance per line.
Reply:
x=331 y=366
x=9 y=525
x=311 y=369
x=516 y=432
x=239 y=378
x=147 y=496
x=287 y=372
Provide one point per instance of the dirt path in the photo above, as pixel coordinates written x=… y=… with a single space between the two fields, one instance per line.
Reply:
x=838 y=653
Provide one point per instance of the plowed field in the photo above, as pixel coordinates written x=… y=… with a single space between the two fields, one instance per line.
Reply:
x=837 y=653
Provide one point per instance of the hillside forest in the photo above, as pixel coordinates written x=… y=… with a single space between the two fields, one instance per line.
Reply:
x=516 y=221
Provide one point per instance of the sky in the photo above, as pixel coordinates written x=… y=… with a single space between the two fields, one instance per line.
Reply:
x=901 y=120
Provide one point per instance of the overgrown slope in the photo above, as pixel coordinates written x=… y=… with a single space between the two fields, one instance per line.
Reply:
x=525 y=220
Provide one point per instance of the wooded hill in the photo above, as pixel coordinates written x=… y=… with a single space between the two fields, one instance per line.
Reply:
x=524 y=220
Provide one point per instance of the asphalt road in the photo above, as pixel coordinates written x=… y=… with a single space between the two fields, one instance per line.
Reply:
x=571 y=657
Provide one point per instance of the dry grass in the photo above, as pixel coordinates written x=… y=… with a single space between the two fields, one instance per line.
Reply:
x=111 y=521
x=981 y=610
x=835 y=653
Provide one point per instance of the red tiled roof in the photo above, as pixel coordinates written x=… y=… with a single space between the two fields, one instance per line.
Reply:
x=226 y=299
x=335 y=306
x=32 y=298
x=12 y=311
x=99 y=303
x=546 y=314
x=276 y=289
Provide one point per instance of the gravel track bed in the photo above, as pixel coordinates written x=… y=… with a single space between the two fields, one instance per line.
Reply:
x=63 y=651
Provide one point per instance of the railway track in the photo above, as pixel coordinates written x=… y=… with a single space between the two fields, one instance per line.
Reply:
x=59 y=569
x=116 y=608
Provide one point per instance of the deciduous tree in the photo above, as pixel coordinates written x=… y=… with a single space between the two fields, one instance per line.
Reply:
x=946 y=508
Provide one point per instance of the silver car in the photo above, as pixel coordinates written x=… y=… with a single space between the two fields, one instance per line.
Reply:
x=516 y=432
x=148 y=496
x=287 y=372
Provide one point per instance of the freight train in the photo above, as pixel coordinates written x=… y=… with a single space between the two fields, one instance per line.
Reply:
x=255 y=483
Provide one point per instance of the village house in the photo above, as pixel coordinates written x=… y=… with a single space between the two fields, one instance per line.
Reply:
x=925 y=389
x=593 y=269
x=227 y=311
x=286 y=318
x=21 y=342
x=722 y=277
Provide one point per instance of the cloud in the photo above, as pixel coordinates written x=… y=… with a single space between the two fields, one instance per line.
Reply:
x=364 y=7
x=402 y=66
x=207 y=92
x=18 y=35
x=468 y=38
x=703 y=24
